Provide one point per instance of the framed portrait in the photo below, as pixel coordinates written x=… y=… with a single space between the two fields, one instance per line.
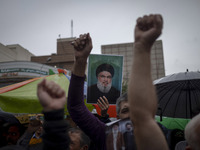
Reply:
x=104 y=77
x=120 y=135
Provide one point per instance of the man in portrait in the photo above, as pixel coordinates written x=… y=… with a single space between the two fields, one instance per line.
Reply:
x=114 y=139
x=103 y=87
x=129 y=138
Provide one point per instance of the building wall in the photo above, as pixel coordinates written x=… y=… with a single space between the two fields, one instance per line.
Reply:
x=17 y=71
x=126 y=49
x=64 y=46
x=6 y=54
x=14 y=52
x=64 y=58
x=24 y=68
x=157 y=61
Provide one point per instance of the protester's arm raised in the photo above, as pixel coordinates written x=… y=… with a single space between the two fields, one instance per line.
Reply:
x=80 y=114
x=51 y=96
x=53 y=99
x=83 y=47
x=141 y=92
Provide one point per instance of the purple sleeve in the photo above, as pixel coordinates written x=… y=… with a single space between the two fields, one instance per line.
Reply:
x=80 y=114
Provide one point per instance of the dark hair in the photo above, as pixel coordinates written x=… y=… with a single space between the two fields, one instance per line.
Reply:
x=105 y=67
x=84 y=139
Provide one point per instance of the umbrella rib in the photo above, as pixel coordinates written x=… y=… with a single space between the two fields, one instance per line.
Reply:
x=195 y=86
x=179 y=96
x=170 y=98
x=179 y=85
x=189 y=99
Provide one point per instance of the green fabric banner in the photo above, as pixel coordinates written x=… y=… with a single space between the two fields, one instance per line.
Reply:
x=24 y=99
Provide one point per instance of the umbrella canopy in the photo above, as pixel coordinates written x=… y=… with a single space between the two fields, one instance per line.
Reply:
x=22 y=97
x=8 y=117
x=179 y=95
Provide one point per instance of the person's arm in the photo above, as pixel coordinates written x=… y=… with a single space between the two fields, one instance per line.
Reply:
x=82 y=47
x=79 y=113
x=52 y=98
x=141 y=92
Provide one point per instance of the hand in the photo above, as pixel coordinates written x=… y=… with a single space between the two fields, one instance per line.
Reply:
x=104 y=105
x=51 y=95
x=82 y=46
x=148 y=29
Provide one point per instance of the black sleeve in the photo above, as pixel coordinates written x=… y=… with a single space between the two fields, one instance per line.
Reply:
x=55 y=135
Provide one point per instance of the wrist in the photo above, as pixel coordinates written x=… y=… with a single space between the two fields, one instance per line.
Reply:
x=79 y=67
x=142 y=47
x=105 y=115
x=53 y=108
x=54 y=115
x=81 y=60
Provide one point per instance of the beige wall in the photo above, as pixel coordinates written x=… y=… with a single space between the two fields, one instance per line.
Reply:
x=64 y=58
x=14 y=52
x=6 y=54
x=126 y=49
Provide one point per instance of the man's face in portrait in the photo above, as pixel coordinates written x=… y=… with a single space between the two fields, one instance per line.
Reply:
x=105 y=78
x=115 y=127
x=104 y=81
x=129 y=127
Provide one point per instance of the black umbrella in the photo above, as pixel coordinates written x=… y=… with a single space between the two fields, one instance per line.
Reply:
x=179 y=95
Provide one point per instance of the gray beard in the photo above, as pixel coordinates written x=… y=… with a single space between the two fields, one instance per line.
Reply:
x=104 y=89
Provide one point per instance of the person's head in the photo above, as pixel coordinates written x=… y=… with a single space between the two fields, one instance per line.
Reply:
x=129 y=126
x=122 y=106
x=115 y=126
x=14 y=132
x=192 y=133
x=79 y=140
x=6 y=119
x=104 y=74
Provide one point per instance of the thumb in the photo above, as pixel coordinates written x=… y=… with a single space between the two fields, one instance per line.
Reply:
x=89 y=40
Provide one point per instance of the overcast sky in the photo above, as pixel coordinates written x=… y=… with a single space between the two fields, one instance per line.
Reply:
x=36 y=25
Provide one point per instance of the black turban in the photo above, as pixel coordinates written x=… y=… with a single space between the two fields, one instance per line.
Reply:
x=105 y=67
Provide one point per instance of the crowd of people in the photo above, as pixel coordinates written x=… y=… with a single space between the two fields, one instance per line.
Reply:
x=90 y=131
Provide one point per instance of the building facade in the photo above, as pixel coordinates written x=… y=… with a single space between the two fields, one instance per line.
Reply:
x=64 y=58
x=126 y=50
x=17 y=71
x=14 y=52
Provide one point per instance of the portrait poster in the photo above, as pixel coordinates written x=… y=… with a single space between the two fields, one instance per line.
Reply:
x=104 y=77
x=120 y=135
